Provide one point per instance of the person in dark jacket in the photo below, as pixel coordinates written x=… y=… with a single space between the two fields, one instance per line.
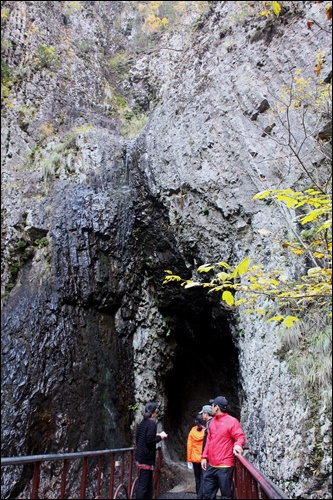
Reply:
x=145 y=454
x=207 y=415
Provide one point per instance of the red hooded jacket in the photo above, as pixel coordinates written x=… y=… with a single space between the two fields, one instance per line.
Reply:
x=224 y=432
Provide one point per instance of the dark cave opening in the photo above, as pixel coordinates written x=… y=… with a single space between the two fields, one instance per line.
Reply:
x=205 y=365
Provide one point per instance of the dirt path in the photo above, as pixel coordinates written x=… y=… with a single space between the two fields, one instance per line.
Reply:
x=180 y=484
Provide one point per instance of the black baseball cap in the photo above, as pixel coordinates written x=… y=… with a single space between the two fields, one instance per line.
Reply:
x=220 y=401
x=150 y=408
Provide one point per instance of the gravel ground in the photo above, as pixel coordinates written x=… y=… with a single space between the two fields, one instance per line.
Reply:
x=180 y=494
x=185 y=487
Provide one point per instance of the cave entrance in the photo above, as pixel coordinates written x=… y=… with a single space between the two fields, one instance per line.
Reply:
x=205 y=366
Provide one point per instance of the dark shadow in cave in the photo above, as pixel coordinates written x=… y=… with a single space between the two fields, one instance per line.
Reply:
x=205 y=365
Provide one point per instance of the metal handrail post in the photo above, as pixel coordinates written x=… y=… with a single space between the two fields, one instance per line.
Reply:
x=99 y=476
x=130 y=473
x=35 y=482
x=84 y=478
x=63 y=479
x=112 y=469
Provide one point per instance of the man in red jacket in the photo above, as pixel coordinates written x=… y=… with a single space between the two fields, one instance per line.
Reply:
x=225 y=439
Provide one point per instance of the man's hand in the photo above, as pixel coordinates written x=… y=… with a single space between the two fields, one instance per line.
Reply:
x=238 y=450
x=204 y=464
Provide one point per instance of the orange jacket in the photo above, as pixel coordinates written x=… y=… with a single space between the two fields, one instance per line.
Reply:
x=194 y=444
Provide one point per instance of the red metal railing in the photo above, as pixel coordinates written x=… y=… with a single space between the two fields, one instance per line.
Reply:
x=112 y=474
x=249 y=483
x=107 y=474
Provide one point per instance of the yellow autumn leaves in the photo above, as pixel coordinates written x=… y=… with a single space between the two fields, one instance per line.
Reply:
x=159 y=14
x=252 y=282
x=318 y=213
x=275 y=6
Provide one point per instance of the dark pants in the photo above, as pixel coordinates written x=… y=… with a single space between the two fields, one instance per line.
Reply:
x=218 y=478
x=197 y=475
x=145 y=485
x=203 y=475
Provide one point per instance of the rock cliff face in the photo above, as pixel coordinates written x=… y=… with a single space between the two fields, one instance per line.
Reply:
x=125 y=154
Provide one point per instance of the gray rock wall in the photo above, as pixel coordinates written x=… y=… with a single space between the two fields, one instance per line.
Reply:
x=203 y=146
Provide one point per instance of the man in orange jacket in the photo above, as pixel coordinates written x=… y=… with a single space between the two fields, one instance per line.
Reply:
x=225 y=439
